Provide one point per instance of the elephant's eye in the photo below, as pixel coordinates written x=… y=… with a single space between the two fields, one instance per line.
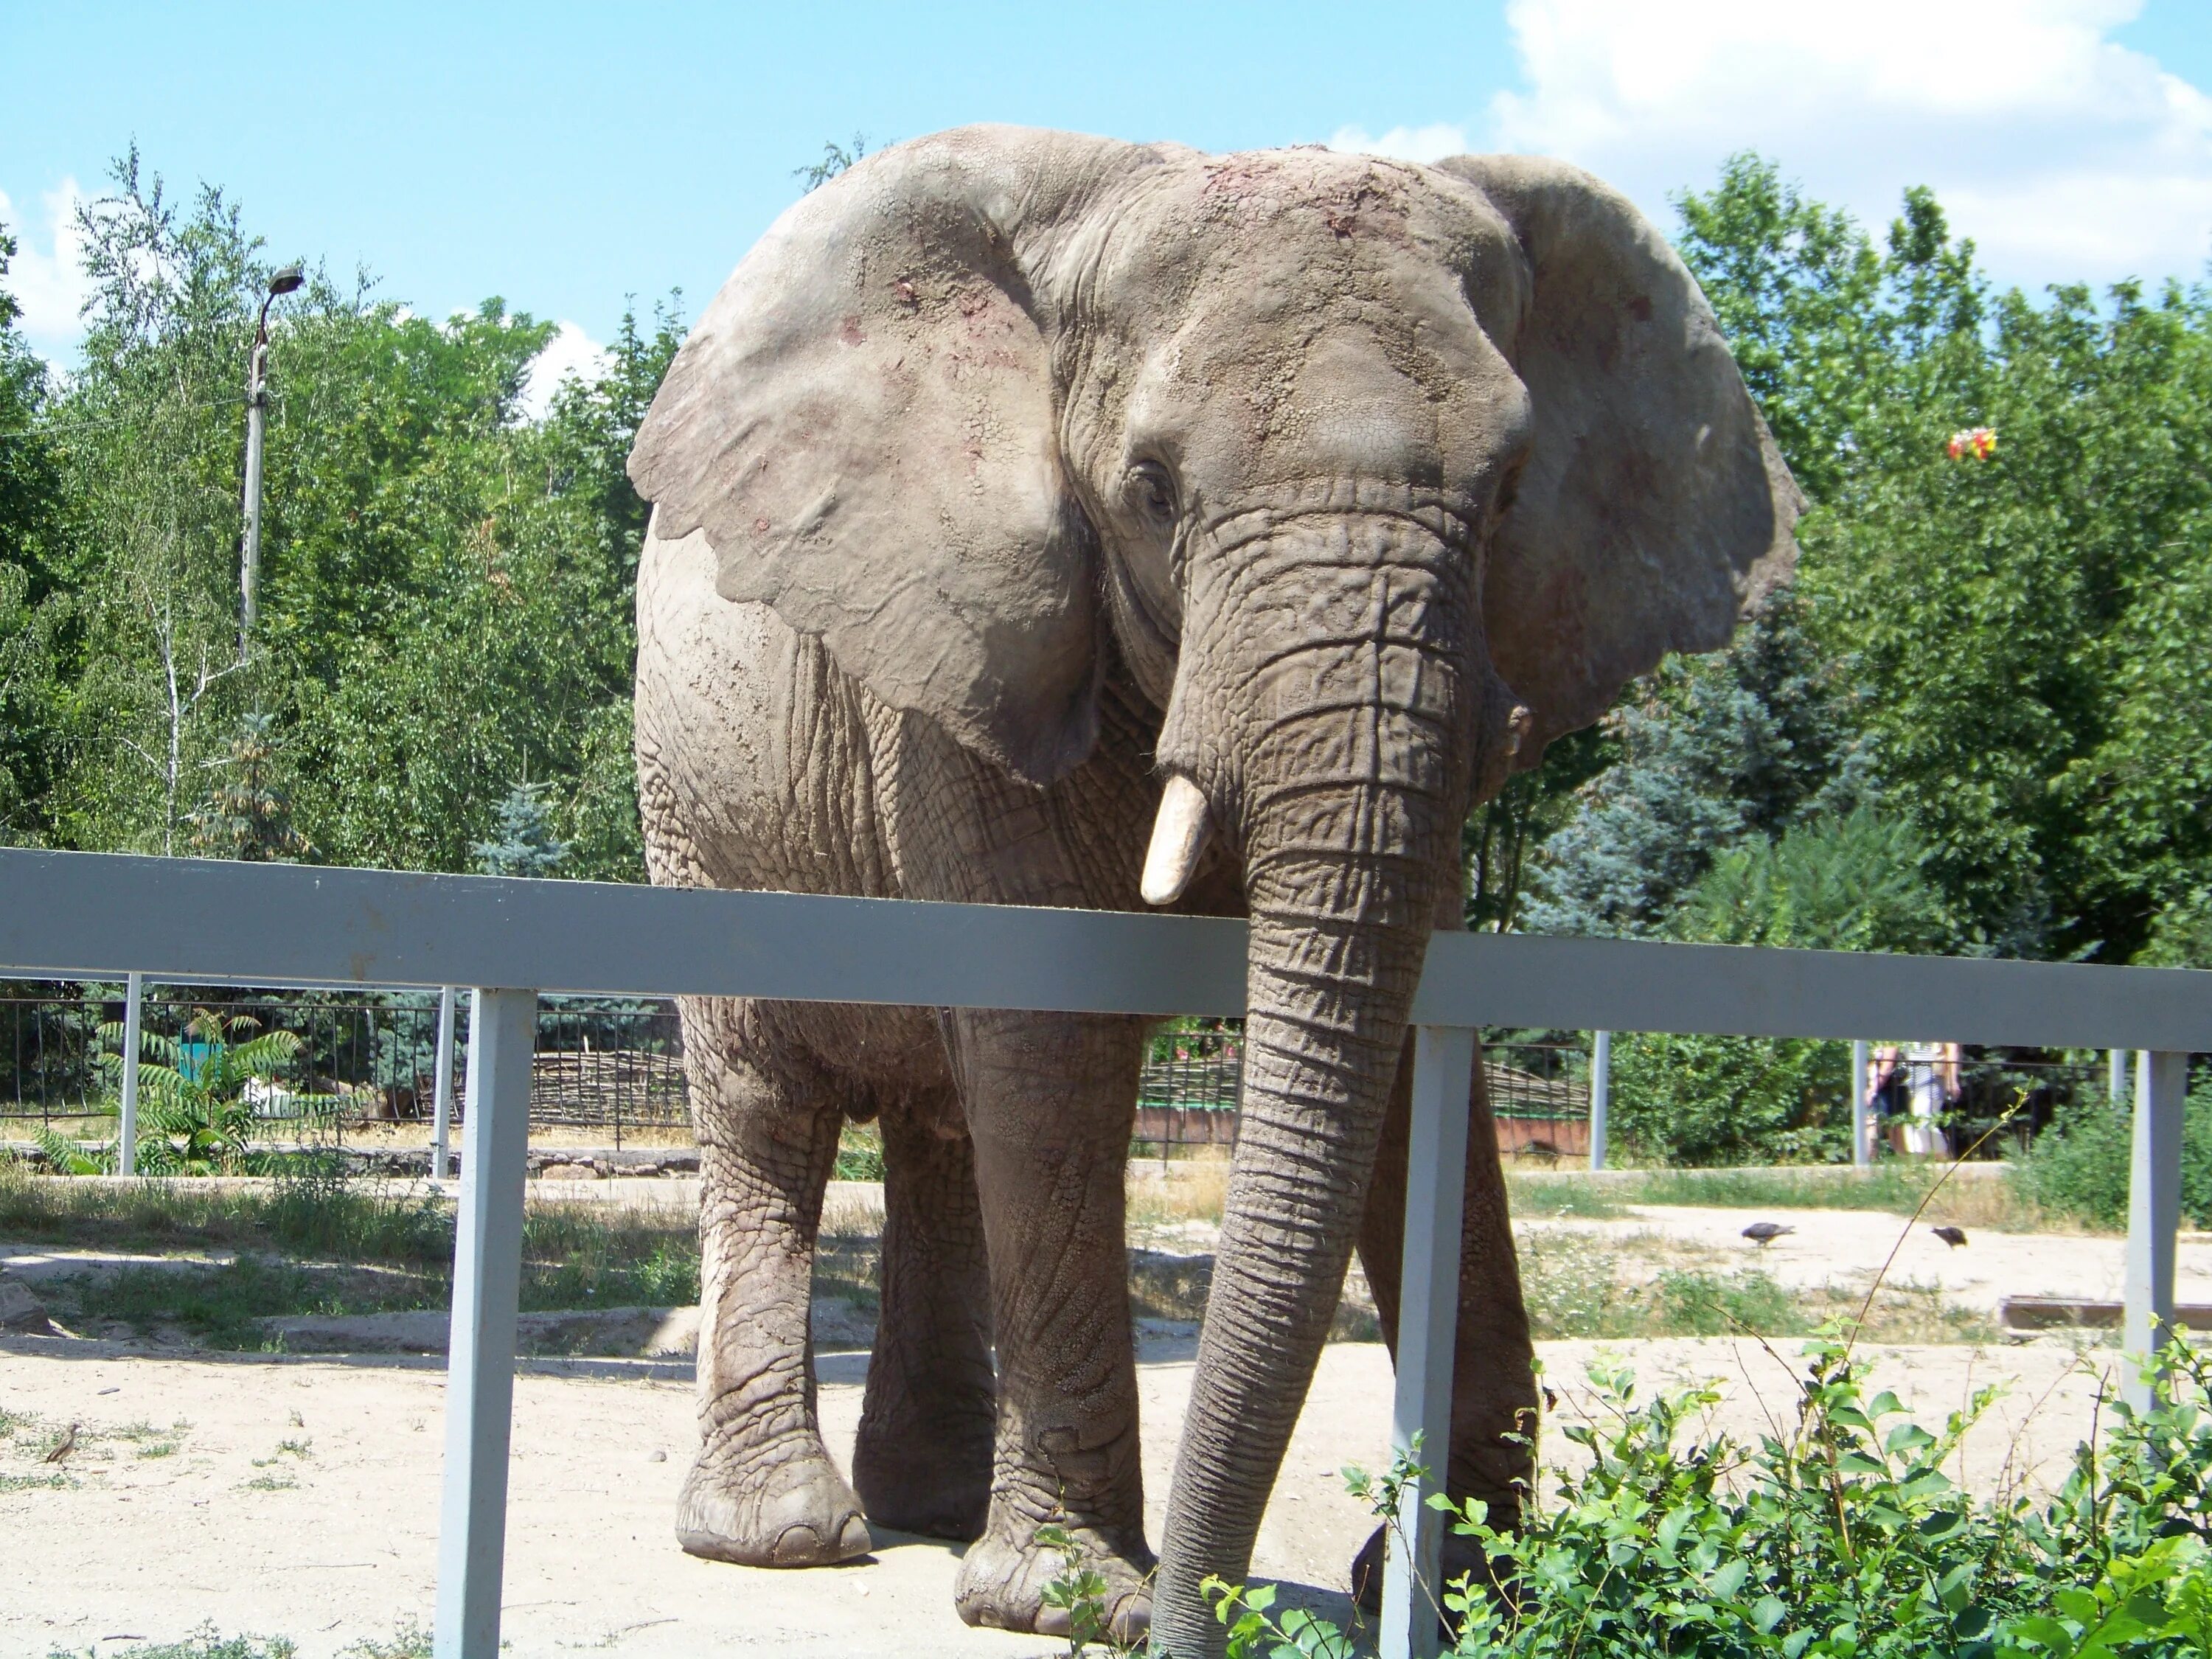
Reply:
x=1152 y=492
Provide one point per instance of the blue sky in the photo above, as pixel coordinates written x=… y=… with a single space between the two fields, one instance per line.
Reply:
x=564 y=156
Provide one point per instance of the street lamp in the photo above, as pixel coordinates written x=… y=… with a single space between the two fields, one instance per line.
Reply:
x=257 y=402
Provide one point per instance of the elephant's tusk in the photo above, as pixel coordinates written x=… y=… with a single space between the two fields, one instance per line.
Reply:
x=1178 y=837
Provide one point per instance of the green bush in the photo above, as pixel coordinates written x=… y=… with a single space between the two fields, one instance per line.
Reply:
x=1722 y=1100
x=2078 y=1166
x=1841 y=1537
x=1848 y=882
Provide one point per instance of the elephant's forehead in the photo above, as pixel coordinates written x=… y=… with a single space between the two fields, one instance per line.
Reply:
x=1296 y=229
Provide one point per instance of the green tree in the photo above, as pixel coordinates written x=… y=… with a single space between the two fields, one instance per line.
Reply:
x=446 y=592
x=1712 y=751
x=30 y=511
x=1852 y=882
x=248 y=814
x=2015 y=645
x=836 y=158
x=1847 y=883
x=523 y=843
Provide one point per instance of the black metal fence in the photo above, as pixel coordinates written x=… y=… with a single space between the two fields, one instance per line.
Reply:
x=364 y=1062
x=1984 y=1102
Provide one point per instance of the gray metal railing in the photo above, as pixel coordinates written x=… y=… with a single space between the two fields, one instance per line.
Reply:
x=88 y=916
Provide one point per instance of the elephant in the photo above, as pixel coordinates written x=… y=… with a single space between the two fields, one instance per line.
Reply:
x=1045 y=519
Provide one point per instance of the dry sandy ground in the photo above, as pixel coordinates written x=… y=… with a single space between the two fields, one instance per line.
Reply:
x=339 y=1544
x=1846 y=1248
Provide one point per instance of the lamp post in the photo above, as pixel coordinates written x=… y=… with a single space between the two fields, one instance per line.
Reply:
x=257 y=402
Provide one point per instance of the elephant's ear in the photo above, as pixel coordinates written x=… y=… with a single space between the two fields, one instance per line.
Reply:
x=864 y=424
x=1654 y=511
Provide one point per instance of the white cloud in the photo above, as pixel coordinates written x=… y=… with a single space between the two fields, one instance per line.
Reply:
x=2063 y=154
x=47 y=275
x=1429 y=144
x=571 y=354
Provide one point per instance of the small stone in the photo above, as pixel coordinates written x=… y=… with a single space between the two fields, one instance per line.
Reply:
x=657 y=1456
x=21 y=1312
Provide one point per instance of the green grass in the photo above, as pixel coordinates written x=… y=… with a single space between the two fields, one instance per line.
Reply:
x=1565 y=1195
x=1575 y=1285
x=221 y=1305
x=310 y=1211
x=314 y=1244
x=1991 y=1201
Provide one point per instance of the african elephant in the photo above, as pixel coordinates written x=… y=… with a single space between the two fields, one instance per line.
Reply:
x=1042 y=519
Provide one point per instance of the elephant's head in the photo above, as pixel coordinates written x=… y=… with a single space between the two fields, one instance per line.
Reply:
x=1377 y=477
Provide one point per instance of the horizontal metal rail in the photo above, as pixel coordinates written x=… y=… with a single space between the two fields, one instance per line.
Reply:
x=73 y=915
x=91 y=915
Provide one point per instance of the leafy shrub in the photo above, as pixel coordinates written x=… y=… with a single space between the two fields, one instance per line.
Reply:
x=1720 y=1100
x=1843 y=882
x=859 y=1153
x=194 y=1118
x=1842 y=1539
x=1837 y=882
x=2078 y=1166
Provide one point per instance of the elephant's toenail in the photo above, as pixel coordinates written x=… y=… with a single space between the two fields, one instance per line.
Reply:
x=797 y=1547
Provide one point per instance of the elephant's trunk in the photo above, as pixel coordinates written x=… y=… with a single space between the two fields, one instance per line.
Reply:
x=1345 y=772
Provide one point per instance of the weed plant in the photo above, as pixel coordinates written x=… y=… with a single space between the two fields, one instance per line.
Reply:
x=408 y=1642
x=1843 y=1538
x=2077 y=1168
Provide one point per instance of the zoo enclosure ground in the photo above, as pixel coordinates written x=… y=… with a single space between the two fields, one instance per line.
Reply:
x=335 y=1542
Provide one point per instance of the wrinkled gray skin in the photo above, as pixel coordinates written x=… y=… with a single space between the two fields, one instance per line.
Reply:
x=1011 y=475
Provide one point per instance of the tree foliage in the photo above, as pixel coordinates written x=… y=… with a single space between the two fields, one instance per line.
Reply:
x=446 y=588
x=30 y=517
x=2011 y=650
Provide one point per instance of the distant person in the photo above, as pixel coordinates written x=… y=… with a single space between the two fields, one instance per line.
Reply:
x=1931 y=1090
x=1885 y=1091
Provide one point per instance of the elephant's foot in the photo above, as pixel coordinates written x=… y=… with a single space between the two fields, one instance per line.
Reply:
x=793 y=1511
x=1001 y=1585
x=1462 y=1558
x=937 y=1485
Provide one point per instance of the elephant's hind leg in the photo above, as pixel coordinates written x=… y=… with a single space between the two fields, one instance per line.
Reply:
x=922 y=1462
x=763 y=1492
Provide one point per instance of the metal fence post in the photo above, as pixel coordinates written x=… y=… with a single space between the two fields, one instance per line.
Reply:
x=1601 y=1094
x=2153 y=1208
x=442 y=1124
x=1861 y=1151
x=486 y=1284
x=1428 y=1313
x=126 y=1125
x=2116 y=1085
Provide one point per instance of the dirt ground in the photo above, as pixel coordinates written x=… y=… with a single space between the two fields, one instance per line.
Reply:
x=1845 y=1248
x=299 y=1497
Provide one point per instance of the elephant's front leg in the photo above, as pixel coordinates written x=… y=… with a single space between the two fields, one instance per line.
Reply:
x=1051 y=1101
x=763 y=1491
x=1493 y=1361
